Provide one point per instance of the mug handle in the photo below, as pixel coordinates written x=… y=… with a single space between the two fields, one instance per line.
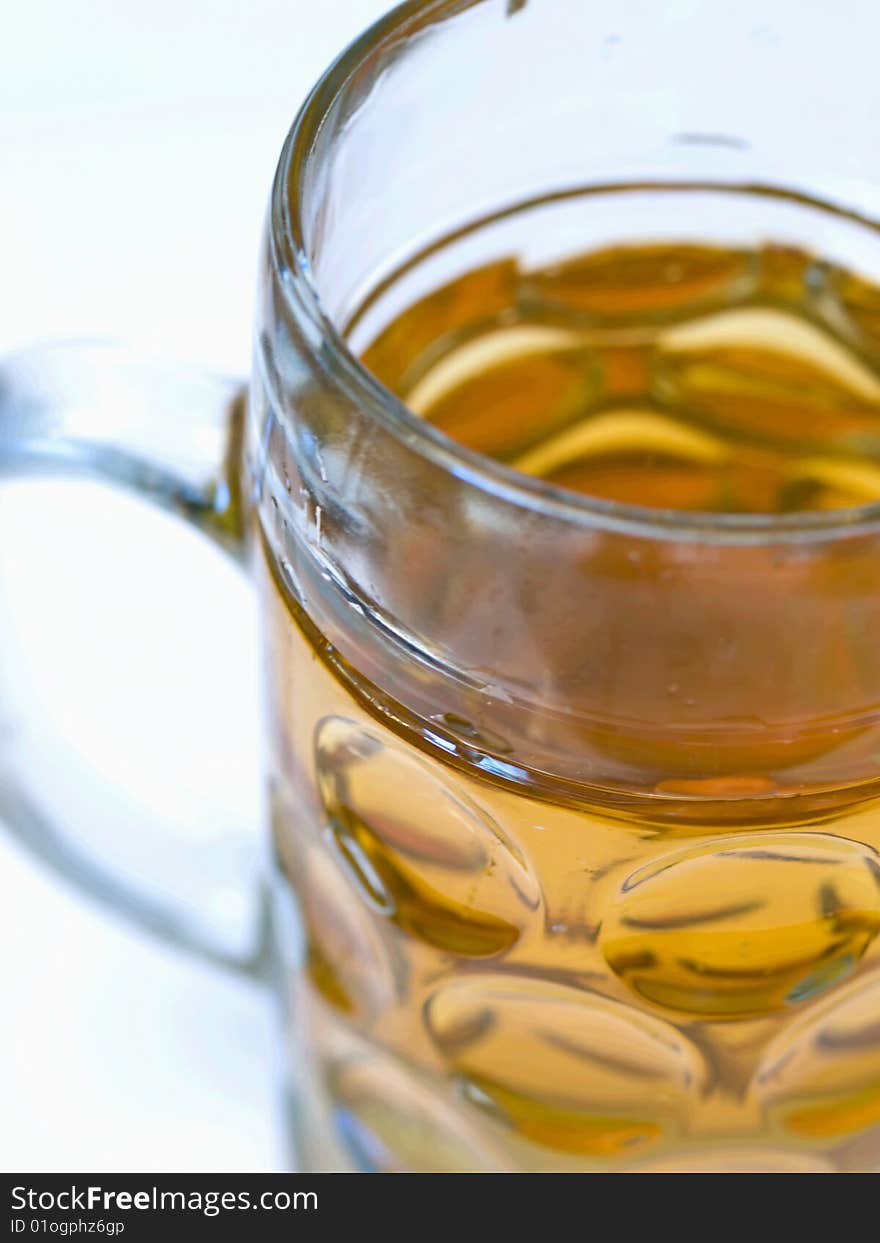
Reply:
x=173 y=435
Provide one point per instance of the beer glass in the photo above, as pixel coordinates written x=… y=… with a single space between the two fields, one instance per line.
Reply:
x=574 y=814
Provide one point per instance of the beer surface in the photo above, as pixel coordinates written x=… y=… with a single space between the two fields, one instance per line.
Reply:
x=677 y=376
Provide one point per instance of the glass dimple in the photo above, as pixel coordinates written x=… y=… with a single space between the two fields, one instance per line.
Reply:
x=345 y=958
x=421 y=853
x=494 y=392
x=820 y=1081
x=564 y=1068
x=745 y=926
x=393 y=1123
x=652 y=283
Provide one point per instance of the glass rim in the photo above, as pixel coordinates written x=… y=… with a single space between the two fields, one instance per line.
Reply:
x=489 y=476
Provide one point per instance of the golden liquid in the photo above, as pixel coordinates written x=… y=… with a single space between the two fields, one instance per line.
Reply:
x=496 y=979
x=681 y=377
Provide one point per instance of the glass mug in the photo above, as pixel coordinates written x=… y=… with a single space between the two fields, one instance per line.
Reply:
x=574 y=802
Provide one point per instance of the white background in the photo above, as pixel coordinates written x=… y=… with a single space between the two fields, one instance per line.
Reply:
x=138 y=142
